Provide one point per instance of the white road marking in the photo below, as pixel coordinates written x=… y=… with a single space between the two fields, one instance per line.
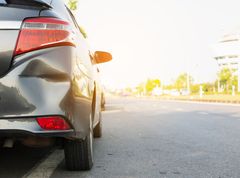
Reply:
x=179 y=109
x=46 y=168
x=236 y=115
x=164 y=107
x=203 y=113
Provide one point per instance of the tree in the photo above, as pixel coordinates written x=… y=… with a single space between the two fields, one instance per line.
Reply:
x=208 y=87
x=148 y=86
x=235 y=81
x=83 y=32
x=72 y=4
x=195 y=88
x=151 y=84
x=140 y=88
x=226 y=78
x=181 y=81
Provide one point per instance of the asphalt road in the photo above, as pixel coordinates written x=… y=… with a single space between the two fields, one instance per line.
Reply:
x=148 y=138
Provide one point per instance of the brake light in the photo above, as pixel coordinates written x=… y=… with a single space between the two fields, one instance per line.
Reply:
x=39 y=33
x=53 y=123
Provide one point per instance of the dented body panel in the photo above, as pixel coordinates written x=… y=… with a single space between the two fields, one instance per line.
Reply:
x=44 y=83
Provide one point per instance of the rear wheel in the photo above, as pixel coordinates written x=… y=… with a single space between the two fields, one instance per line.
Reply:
x=98 y=129
x=103 y=102
x=79 y=153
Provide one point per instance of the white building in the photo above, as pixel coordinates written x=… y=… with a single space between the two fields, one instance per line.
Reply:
x=227 y=54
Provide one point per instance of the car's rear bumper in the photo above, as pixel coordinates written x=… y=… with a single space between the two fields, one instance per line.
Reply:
x=42 y=83
x=17 y=127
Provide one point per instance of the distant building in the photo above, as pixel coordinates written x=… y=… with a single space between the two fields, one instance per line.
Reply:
x=227 y=54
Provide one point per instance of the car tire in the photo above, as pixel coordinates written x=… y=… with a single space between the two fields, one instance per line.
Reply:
x=79 y=153
x=97 y=132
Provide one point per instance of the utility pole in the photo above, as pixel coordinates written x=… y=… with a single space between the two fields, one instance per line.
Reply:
x=188 y=82
x=218 y=78
x=238 y=76
x=218 y=83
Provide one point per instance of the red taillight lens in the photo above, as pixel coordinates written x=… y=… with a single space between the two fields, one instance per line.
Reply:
x=53 y=123
x=38 y=33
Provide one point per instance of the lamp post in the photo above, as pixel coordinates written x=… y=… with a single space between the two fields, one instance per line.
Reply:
x=238 y=76
x=188 y=82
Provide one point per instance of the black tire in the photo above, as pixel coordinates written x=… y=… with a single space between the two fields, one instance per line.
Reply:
x=97 y=132
x=1 y=143
x=79 y=153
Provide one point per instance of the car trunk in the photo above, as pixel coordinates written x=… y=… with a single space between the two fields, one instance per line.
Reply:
x=11 y=18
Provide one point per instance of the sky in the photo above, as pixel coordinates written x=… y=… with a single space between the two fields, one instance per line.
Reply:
x=157 y=38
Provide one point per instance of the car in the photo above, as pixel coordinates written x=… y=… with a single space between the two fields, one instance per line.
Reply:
x=184 y=92
x=174 y=92
x=49 y=84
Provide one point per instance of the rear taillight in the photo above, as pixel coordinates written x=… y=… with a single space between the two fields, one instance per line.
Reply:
x=53 y=123
x=39 y=33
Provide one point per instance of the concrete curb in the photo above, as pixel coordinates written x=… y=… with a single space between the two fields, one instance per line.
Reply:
x=189 y=99
x=203 y=100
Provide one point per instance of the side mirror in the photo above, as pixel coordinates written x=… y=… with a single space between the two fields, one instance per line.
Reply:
x=101 y=57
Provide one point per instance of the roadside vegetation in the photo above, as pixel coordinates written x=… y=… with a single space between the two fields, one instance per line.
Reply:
x=223 y=89
x=72 y=4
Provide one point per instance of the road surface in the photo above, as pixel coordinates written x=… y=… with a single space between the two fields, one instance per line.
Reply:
x=148 y=138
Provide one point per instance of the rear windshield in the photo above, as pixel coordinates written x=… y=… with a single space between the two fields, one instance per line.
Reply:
x=2 y=2
x=35 y=3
